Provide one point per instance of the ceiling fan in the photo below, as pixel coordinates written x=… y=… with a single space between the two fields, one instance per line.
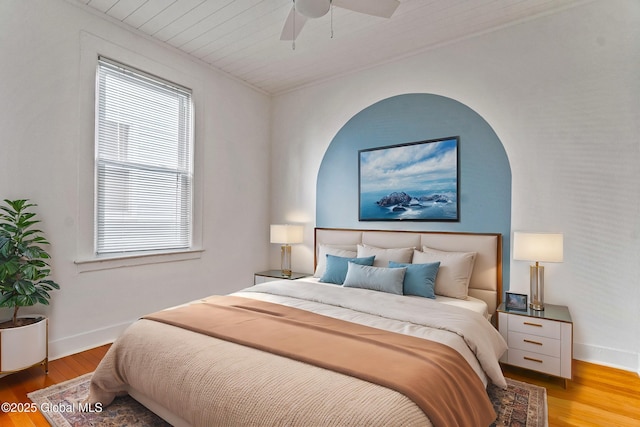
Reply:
x=305 y=9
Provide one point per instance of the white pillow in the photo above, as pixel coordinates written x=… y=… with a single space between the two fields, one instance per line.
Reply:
x=380 y=279
x=383 y=256
x=454 y=273
x=345 y=251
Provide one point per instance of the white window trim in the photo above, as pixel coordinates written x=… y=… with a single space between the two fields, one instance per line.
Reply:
x=91 y=47
x=136 y=258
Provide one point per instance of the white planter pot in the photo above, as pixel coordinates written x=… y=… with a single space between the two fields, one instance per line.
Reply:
x=24 y=346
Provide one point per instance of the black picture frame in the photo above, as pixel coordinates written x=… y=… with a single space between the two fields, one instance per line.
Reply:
x=516 y=302
x=415 y=181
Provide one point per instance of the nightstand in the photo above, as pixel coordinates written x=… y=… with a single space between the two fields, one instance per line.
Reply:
x=271 y=275
x=538 y=340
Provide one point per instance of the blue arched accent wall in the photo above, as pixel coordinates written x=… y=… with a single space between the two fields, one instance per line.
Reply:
x=484 y=171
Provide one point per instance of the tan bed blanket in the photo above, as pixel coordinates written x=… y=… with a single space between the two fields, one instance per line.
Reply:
x=467 y=332
x=433 y=375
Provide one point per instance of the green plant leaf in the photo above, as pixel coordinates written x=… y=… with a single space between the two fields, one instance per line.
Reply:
x=9 y=267
x=10 y=212
x=24 y=224
x=51 y=283
x=41 y=293
x=29 y=271
x=35 y=252
x=5 y=300
x=6 y=246
x=36 y=238
x=28 y=215
x=22 y=301
x=23 y=266
x=24 y=287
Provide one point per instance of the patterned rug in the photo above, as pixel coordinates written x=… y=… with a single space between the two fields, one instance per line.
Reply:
x=521 y=405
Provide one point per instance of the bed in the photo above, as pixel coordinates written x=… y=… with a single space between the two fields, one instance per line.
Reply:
x=351 y=365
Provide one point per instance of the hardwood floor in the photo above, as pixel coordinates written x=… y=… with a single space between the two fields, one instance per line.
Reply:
x=14 y=387
x=597 y=396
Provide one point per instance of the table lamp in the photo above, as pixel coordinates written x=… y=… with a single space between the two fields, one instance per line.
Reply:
x=286 y=234
x=538 y=247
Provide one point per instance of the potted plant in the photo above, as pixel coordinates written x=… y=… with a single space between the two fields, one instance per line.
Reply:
x=23 y=282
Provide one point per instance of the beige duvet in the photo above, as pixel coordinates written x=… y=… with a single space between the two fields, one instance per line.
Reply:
x=207 y=381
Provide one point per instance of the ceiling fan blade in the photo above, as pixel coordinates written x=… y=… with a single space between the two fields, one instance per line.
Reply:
x=381 y=8
x=288 y=29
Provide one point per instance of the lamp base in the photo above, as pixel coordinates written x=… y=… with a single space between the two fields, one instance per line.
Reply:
x=536 y=307
x=536 y=291
x=285 y=260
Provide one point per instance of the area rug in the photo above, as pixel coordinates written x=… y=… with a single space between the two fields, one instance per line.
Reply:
x=521 y=405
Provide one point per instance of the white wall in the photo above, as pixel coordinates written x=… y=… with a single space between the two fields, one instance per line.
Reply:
x=46 y=149
x=562 y=93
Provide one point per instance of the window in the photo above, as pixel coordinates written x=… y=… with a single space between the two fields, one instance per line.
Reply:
x=144 y=162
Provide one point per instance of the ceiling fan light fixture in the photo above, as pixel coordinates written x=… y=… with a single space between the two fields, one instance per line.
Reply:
x=312 y=8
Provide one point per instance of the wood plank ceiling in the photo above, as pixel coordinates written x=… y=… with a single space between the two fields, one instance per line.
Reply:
x=242 y=37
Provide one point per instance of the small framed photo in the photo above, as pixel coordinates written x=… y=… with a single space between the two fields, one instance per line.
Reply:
x=516 y=302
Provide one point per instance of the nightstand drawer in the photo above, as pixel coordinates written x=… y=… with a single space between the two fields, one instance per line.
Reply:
x=534 y=326
x=534 y=344
x=537 y=362
x=540 y=341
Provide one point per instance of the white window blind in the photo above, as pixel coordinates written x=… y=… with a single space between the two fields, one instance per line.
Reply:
x=144 y=162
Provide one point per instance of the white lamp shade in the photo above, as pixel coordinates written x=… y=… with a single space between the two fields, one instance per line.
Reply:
x=287 y=233
x=544 y=247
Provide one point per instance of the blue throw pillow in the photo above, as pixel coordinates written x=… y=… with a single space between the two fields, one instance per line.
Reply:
x=337 y=266
x=381 y=279
x=420 y=279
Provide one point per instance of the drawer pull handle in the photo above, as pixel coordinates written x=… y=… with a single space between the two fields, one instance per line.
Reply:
x=532 y=359
x=532 y=342
x=533 y=324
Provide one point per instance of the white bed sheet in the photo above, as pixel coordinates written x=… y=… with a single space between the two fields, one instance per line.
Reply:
x=471 y=303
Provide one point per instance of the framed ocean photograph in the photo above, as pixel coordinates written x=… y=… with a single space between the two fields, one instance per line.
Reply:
x=416 y=181
x=516 y=302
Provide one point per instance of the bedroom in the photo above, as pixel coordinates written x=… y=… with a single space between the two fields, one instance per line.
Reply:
x=566 y=115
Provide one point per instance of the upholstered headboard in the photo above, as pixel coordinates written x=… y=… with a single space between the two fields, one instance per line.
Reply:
x=486 y=278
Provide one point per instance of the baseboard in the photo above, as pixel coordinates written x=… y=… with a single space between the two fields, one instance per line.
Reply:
x=614 y=358
x=87 y=340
